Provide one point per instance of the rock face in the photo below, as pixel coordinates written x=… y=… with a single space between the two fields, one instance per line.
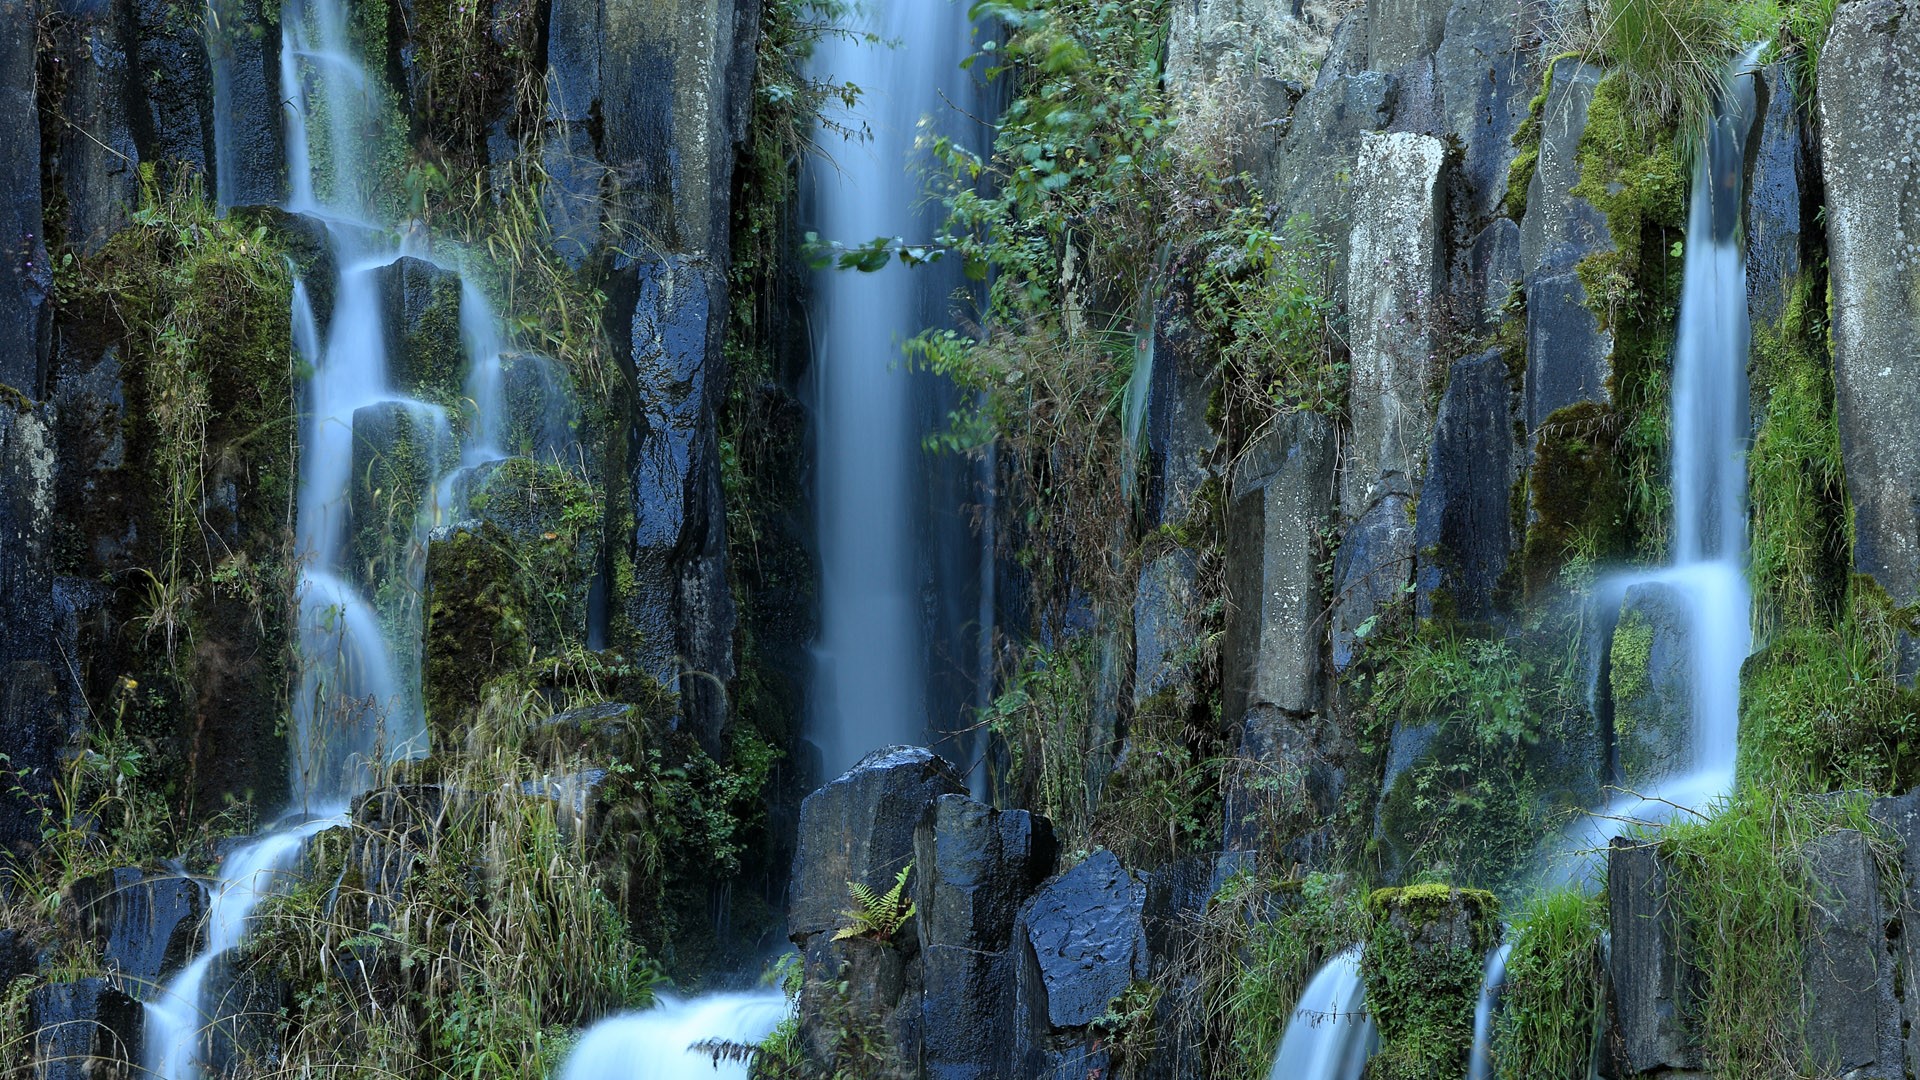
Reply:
x=1166 y=610
x=1087 y=939
x=98 y=159
x=1901 y=816
x=1181 y=441
x=1651 y=988
x=1775 y=193
x=1463 y=532
x=1567 y=352
x=143 y=923
x=84 y=1030
x=1869 y=123
x=974 y=866
x=420 y=313
x=29 y=692
x=27 y=277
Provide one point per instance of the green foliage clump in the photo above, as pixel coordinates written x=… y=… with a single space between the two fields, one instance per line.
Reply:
x=1672 y=55
x=1164 y=797
x=1045 y=719
x=1742 y=896
x=1423 y=967
x=1555 y=989
x=1261 y=941
x=1578 y=502
x=1494 y=713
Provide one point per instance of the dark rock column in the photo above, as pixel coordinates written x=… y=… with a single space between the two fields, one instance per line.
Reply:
x=1851 y=1018
x=98 y=163
x=1651 y=988
x=1463 y=531
x=1080 y=943
x=84 y=1030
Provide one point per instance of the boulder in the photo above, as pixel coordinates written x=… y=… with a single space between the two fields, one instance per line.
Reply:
x=84 y=1030
x=1869 y=136
x=144 y=923
x=1181 y=441
x=1393 y=282
x=1651 y=987
x=1851 y=1018
x=860 y=829
x=974 y=867
x=1087 y=939
x=1775 y=192
x=420 y=316
x=1463 y=534
x=1280 y=501
x=1650 y=679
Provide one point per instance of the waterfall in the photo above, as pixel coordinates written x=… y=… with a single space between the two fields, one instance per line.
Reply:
x=1330 y=1036
x=657 y=1044
x=880 y=552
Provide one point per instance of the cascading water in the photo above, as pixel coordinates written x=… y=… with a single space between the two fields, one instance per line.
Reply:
x=1330 y=1036
x=871 y=670
x=1480 y=1062
x=659 y=1044
x=356 y=706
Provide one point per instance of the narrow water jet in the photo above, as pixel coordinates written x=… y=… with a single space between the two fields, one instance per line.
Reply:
x=1480 y=1061
x=1330 y=1036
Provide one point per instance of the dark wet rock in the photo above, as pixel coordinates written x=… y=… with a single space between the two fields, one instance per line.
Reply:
x=1283 y=787
x=1650 y=676
x=98 y=163
x=19 y=956
x=858 y=1006
x=576 y=797
x=973 y=867
x=1393 y=285
x=1869 y=137
x=244 y=55
x=1775 y=226
x=84 y=1030
x=679 y=607
x=1087 y=938
x=1281 y=498
x=1166 y=615
x=26 y=275
x=480 y=620
x=1463 y=533
x=143 y=922
x=860 y=828
x=1561 y=228
x=174 y=126
x=1326 y=126
x=394 y=828
x=1180 y=439
x=1487 y=83
x=1652 y=988
x=399 y=449
x=1371 y=572
x=420 y=314
x=245 y=1006
x=1851 y=1018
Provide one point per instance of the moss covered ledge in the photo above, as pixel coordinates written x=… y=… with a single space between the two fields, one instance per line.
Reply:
x=1422 y=967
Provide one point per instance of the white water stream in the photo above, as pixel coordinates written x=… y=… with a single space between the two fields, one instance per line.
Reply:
x=657 y=1044
x=1330 y=1036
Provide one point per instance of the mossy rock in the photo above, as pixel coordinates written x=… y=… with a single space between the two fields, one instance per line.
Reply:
x=1423 y=966
x=479 y=623
x=1650 y=679
x=1578 y=504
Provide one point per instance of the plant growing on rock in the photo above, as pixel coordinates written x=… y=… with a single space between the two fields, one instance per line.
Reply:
x=877 y=916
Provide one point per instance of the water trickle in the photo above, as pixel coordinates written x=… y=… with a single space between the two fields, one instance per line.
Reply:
x=1330 y=1036
x=871 y=662
x=1480 y=1062
x=657 y=1044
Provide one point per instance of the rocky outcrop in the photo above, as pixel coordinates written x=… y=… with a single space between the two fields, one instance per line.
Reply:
x=420 y=314
x=1422 y=966
x=1777 y=190
x=1851 y=1020
x=1650 y=675
x=1869 y=131
x=30 y=691
x=1650 y=989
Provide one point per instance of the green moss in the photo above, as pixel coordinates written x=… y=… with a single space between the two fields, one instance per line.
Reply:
x=1423 y=965
x=1554 y=990
x=1634 y=711
x=1579 y=504
x=476 y=626
x=1519 y=178
x=1636 y=174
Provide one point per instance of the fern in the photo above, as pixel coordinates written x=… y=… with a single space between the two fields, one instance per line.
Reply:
x=877 y=916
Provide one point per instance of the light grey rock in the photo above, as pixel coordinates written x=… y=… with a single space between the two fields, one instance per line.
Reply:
x=1281 y=500
x=1393 y=284
x=1869 y=135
